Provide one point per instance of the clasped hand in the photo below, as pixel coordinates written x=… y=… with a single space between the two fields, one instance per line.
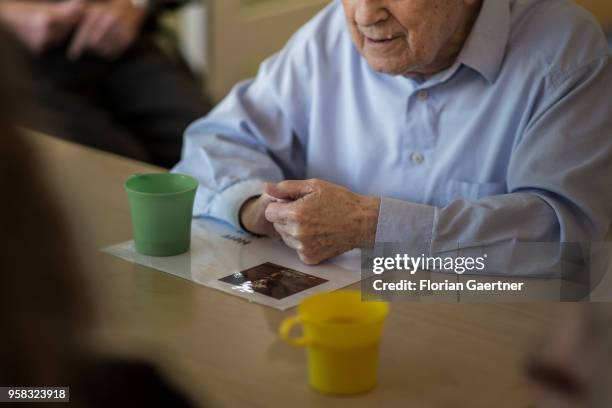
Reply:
x=318 y=219
x=105 y=29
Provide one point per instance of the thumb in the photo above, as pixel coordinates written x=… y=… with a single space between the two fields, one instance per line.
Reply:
x=288 y=190
x=71 y=8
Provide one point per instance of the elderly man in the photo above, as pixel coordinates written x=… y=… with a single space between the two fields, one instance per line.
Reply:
x=435 y=123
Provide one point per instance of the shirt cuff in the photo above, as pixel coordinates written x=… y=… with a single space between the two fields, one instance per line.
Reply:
x=407 y=223
x=226 y=205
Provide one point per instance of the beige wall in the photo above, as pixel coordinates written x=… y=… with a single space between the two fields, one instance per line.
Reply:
x=243 y=33
x=601 y=8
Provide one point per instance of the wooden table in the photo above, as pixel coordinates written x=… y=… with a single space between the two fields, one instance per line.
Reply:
x=224 y=351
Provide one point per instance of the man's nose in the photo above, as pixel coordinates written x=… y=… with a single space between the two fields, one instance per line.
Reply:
x=370 y=12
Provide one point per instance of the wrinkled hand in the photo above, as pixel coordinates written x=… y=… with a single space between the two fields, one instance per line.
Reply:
x=321 y=220
x=41 y=25
x=107 y=29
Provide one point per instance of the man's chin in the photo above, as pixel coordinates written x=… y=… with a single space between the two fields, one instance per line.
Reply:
x=389 y=68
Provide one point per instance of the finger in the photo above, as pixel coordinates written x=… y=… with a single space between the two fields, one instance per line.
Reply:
x=291 y=242
x=271 y=199
x=289 y=190
x=69 y=12
x=309 y=259
x=81 y=38
x=279 y=213
x=285 y=229
x=100 y=37
x=65 y=16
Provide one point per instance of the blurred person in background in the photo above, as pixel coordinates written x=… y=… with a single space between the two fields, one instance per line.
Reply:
x=45 y=306
x=572 y=368
x=101 y=79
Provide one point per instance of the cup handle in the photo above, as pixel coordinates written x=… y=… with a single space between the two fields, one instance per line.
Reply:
x=285 y=332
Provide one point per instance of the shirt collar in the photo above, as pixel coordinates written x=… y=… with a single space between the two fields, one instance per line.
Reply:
x=485 y=48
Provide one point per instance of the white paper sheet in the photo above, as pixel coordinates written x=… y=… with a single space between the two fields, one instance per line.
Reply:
x=218 y=251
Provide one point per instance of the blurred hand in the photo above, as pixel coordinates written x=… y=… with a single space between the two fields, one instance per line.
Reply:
x=321 y=220
x=571 y=367
x=41 y=25
x=107 y=29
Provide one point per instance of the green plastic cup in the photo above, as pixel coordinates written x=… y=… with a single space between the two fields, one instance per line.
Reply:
x=161 y=205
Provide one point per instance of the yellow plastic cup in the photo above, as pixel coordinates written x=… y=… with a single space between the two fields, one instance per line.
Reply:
x=342 y=336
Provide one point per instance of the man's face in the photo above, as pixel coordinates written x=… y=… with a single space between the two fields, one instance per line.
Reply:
x=403 y=37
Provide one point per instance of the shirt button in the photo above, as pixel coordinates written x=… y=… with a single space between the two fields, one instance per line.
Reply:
x=423 y=96
x=417 y=158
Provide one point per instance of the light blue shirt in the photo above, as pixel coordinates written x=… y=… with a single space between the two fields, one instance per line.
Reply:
x=512 y=143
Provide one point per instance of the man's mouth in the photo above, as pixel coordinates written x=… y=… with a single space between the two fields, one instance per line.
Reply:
x=377 y=41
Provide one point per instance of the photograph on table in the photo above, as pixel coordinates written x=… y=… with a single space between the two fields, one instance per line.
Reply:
x=273 y=280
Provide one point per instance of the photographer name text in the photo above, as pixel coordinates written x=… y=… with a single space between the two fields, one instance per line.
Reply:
x=432 y=286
